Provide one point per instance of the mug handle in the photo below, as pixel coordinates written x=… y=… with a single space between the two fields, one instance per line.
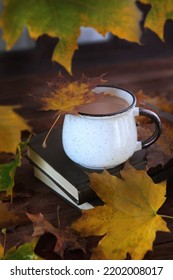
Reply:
x=158 y=128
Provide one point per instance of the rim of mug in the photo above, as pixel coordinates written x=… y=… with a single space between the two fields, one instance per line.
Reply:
x=114 y=113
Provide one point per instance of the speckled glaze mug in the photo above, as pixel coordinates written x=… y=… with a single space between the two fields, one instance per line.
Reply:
x=106 y=140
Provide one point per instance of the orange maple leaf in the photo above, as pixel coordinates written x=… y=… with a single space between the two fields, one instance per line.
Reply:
x=65 y=96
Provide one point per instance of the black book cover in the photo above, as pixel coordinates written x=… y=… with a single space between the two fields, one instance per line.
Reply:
x=79 y=189
x=55 y=157
x=55 y=187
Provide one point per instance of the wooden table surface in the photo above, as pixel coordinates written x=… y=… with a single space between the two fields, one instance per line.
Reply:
x=23 y=73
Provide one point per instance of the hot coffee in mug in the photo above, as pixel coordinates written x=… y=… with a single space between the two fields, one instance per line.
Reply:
x=104 y=133
x=108 y=105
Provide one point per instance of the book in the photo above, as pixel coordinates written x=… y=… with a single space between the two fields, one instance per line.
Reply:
x=70 y=180
x=53 y=185
x=69 y=176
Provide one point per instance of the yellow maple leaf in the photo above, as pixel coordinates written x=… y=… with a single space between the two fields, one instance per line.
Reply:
x=11 y=126
x=63 y=19
x=65 y=96
x=159 y=12
x=128 y=221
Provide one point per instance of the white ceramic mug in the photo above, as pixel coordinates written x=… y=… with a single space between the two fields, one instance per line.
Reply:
x=105 y=141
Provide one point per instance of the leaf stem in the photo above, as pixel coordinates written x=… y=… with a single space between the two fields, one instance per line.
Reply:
x=44 y=145
x=166 y=216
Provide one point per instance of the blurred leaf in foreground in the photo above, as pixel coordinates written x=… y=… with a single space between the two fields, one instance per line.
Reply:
x=159 y=12
x=63 y=19
x=11 y=126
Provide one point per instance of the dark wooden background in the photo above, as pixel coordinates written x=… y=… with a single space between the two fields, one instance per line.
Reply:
x=24 y=74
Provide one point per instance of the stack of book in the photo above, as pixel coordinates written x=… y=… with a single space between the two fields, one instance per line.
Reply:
x=69 y=180
x=56 y=170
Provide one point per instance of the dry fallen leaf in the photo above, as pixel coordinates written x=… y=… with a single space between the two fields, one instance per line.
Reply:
x=67 y=239
x=11 y=126
x=65 y=96
x=157 y=15
x=128 y=221
x=8 y=217
x=154 y=102
x=161 y=152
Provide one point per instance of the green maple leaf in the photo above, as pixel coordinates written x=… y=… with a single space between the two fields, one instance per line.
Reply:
x=159 y=12
x=63 y=18
x=8 y=170
x=23 y=252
